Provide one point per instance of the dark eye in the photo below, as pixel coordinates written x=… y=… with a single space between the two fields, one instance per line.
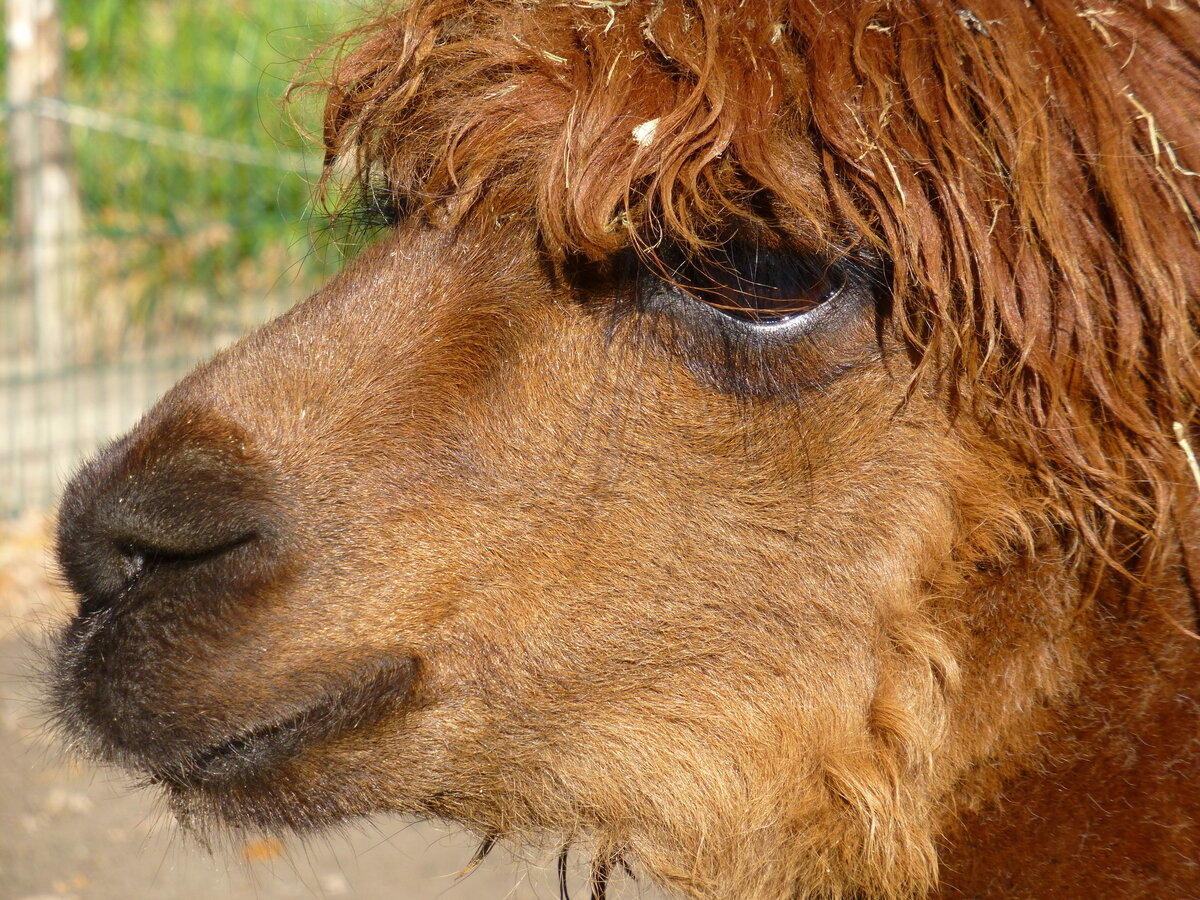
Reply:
x=753 y=283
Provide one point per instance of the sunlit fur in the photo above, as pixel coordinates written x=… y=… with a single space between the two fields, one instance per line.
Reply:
x=903 y=606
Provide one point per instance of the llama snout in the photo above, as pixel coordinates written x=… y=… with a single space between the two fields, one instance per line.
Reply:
x=169 y=538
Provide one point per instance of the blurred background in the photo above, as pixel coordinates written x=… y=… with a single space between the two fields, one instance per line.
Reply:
x=156 y=203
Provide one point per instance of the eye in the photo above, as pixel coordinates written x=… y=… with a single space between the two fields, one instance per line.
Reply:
x=755 y=319
x=752 y=283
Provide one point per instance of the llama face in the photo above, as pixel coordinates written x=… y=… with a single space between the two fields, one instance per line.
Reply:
x=724 y=472
x=450 y=539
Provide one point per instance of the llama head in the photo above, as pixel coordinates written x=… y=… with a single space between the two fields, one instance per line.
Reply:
x=719 y=459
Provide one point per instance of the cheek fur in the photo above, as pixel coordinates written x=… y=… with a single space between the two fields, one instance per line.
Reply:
x=901 y=609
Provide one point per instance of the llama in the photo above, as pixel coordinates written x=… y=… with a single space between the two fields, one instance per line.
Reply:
x=749 y=451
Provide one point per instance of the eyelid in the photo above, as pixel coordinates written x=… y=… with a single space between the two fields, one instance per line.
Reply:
x=704 y=317
x=761 y=288
x=769 y=314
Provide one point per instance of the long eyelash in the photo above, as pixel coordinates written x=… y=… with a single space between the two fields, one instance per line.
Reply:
x=365 y=210
x=749 y=280
x=376 y=205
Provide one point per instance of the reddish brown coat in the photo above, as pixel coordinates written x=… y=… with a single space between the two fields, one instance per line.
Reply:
x=507 y=525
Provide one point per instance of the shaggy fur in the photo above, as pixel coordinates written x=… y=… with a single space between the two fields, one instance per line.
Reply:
x=509 y=525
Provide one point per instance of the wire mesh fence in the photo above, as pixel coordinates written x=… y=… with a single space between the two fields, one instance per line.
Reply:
x=155 y=200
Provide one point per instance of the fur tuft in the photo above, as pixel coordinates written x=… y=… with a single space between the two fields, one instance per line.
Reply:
x=1002 y=161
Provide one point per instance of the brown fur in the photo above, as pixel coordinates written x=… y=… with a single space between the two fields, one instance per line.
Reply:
x=904 y=606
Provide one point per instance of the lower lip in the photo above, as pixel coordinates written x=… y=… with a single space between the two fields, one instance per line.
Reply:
x=375 y=690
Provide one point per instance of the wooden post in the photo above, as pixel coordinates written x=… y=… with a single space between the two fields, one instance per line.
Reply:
x=46 y=206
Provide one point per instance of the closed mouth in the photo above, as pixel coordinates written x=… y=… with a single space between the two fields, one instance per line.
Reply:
x=244 y=757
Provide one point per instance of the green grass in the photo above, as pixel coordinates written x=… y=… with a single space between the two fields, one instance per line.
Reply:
x=209 y=69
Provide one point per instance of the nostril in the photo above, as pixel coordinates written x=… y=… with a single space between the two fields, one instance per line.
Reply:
x=178 y=522
x=137 y=555
x=102 y=579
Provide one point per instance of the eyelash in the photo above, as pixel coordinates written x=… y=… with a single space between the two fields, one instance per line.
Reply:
x=371 y=207
x=751 y=284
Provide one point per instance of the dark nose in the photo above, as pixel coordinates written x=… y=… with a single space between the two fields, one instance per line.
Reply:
x=196 y=516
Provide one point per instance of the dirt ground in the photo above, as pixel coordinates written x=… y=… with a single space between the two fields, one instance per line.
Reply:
x=70 y=831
